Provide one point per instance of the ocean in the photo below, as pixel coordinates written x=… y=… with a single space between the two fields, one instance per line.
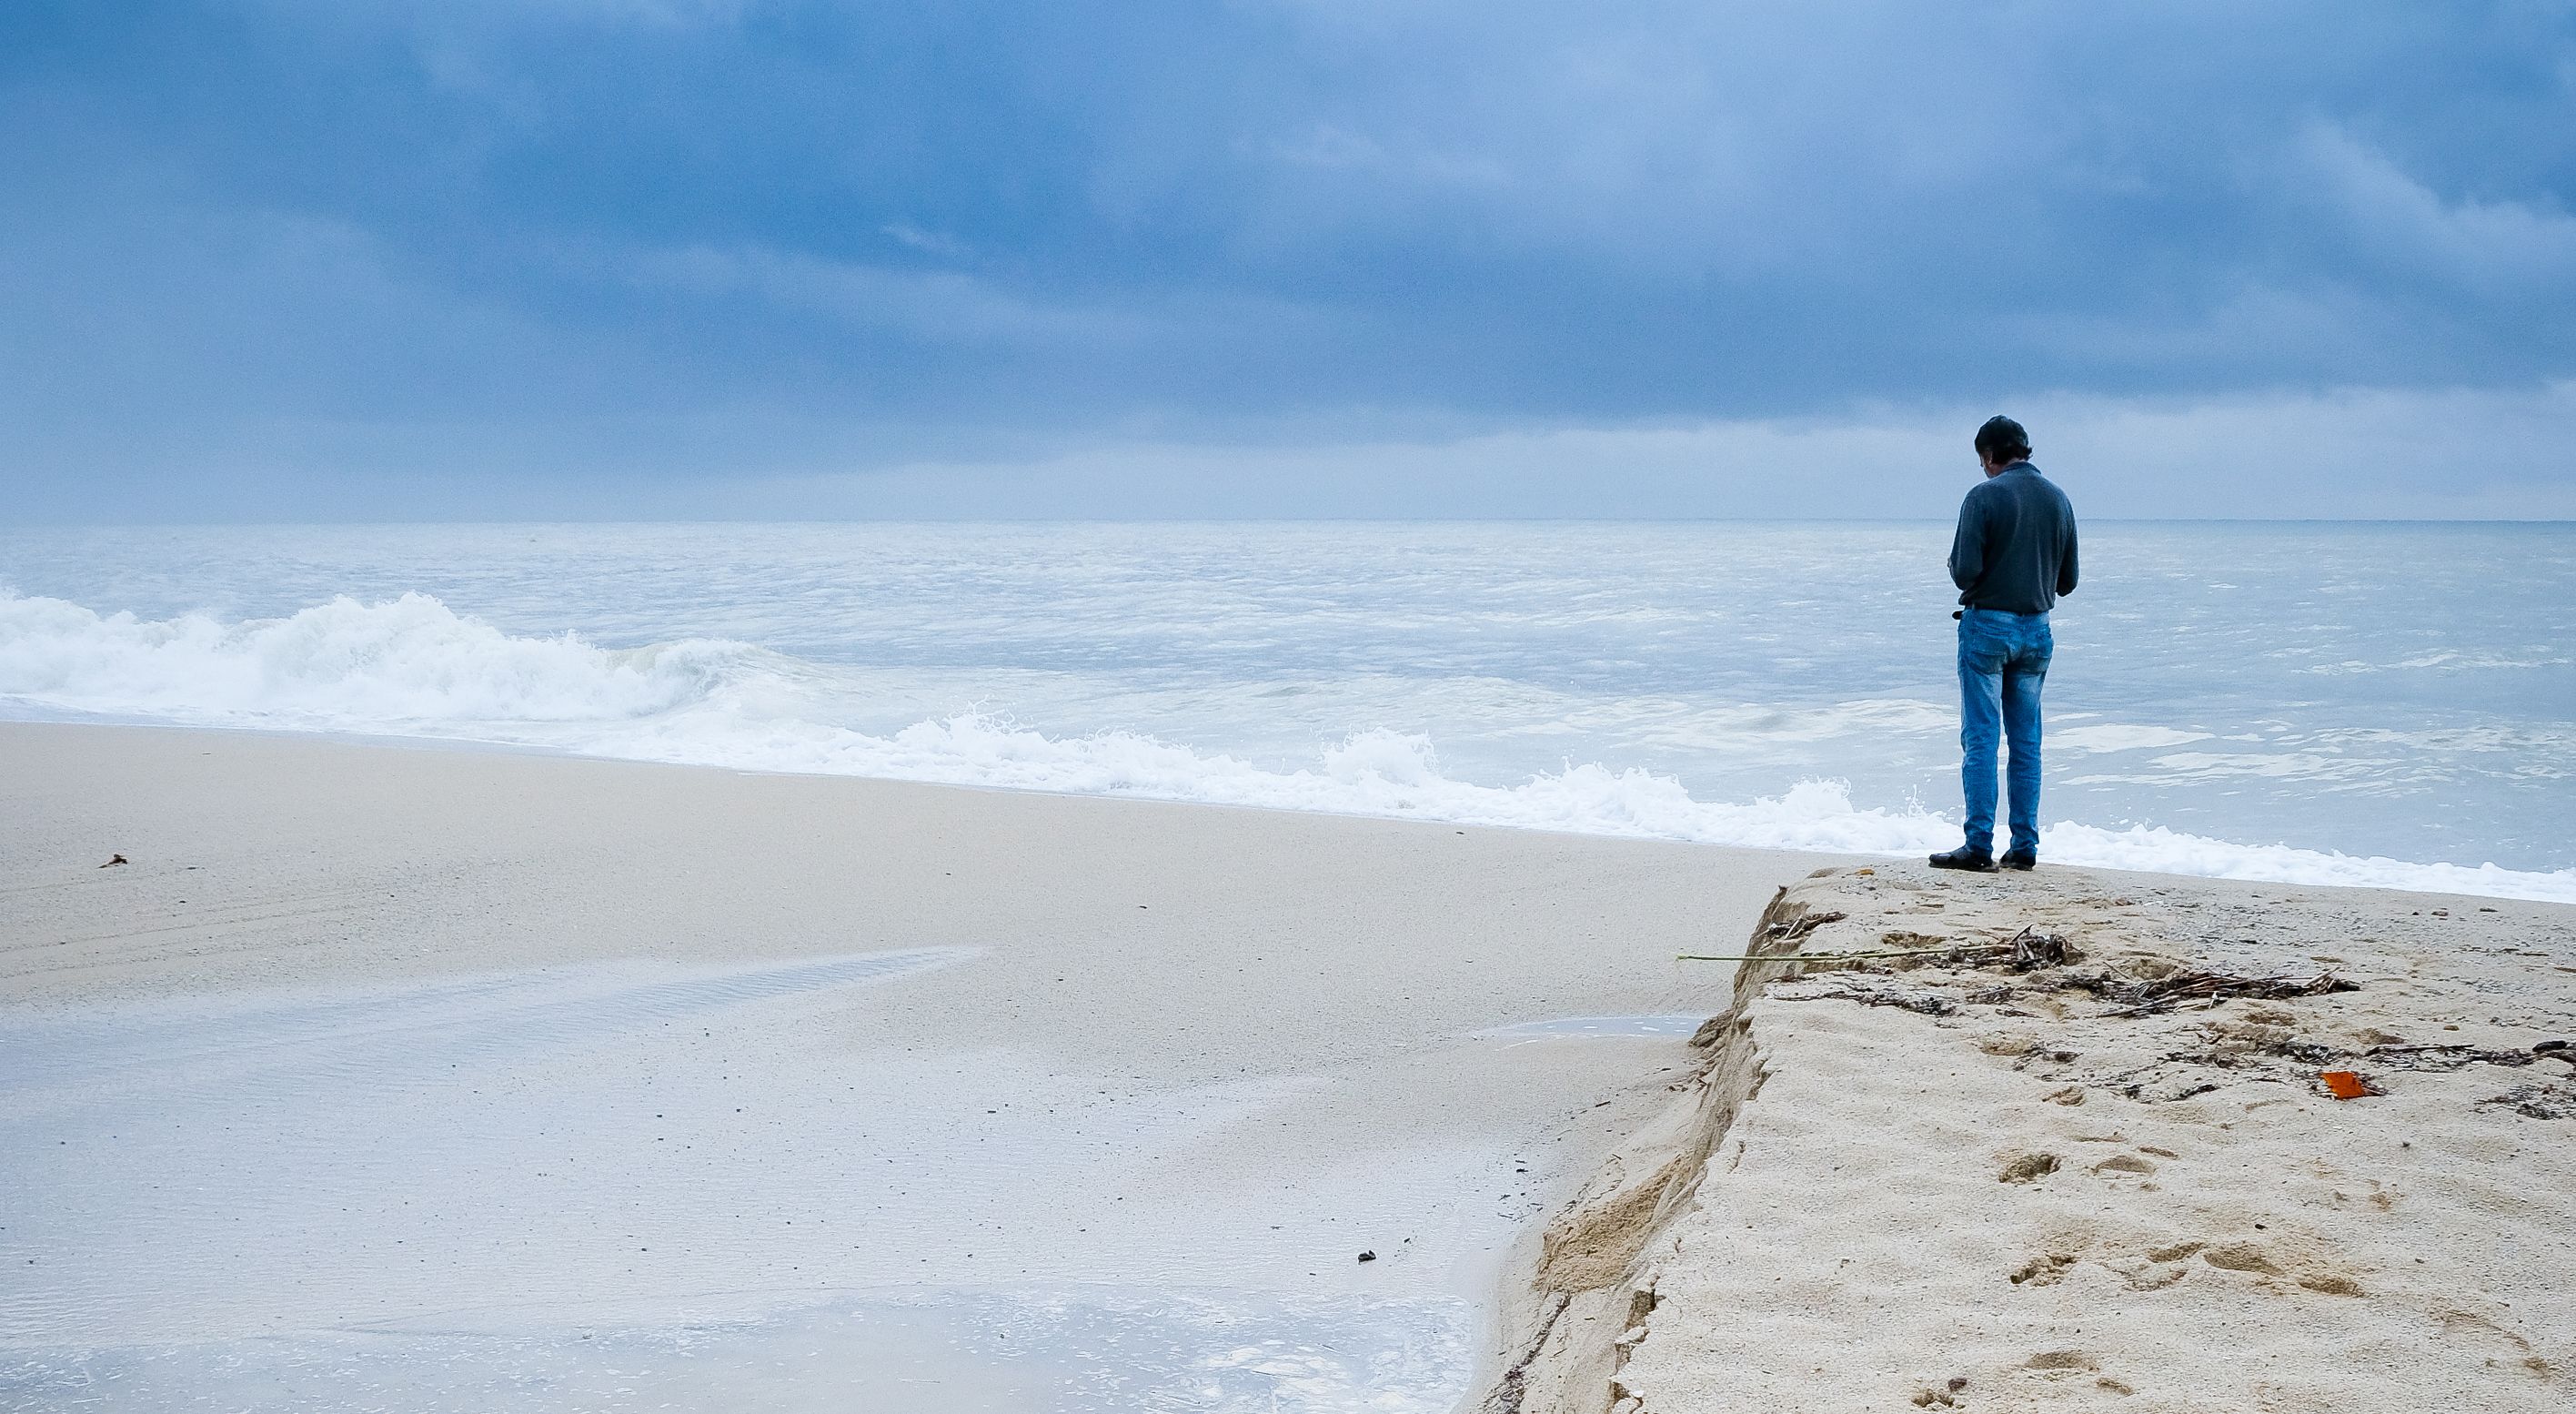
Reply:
x=2329 y=703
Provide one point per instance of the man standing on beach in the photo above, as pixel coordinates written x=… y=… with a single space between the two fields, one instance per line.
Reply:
x=2013 y=555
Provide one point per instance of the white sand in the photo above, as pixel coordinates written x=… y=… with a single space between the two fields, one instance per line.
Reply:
x=445 y=1078
x=366 y=1043
x=2027 y=1203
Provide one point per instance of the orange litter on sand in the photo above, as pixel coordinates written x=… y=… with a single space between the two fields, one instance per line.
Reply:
x=2344 y=1084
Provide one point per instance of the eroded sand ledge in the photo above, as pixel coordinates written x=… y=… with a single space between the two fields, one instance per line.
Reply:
x=1920 y=1182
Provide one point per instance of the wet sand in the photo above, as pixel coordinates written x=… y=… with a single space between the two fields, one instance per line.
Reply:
x=374 y=1062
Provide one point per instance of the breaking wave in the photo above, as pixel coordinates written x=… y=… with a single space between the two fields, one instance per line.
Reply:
x=412 y=667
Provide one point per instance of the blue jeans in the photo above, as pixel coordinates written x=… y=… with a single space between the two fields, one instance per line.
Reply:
x=2003 y=659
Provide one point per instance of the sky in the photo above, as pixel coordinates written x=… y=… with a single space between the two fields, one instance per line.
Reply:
x=611 y=259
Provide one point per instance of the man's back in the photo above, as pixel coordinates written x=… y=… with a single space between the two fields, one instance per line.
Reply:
x=2015 y=548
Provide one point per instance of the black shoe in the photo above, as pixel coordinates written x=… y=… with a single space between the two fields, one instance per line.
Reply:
x=1975 y=861
x=2020 y=859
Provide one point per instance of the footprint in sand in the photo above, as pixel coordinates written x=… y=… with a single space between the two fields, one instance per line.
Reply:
x=2257 y=1260
x=2164 y=1266
x=2025 y=1168
x=2241 y=1257
x=2494 y=1343
x=2043 y=1270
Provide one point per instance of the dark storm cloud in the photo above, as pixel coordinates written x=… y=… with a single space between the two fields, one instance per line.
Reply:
x=579 y=241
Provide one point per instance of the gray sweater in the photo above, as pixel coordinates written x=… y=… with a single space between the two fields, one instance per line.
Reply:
x=2015 y=549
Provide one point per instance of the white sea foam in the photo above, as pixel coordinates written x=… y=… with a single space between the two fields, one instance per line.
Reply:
x=410 y=666
x=344 y=664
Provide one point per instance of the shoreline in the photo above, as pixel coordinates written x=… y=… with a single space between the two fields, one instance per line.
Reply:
x=1287 y=1032
x=2293 y=866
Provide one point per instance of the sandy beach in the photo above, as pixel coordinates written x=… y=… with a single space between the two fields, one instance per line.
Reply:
x=1119 y=1047
x=2120 y=1182
x=434 y=1076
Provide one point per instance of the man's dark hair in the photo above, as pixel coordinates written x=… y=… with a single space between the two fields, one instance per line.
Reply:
x=2002 y=440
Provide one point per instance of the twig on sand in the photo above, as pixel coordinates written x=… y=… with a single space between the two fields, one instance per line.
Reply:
x=2033 y=950
x=1817 y=956
x=2029 y=949
x=1792 y=929
x=1915 y=999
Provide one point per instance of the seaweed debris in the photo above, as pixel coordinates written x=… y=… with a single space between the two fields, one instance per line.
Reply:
x=2140 y=996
